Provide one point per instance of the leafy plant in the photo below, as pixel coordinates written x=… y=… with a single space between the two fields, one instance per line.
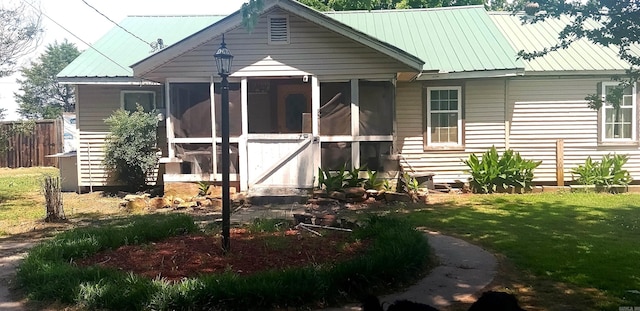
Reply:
x=130 y=149
x=410 y=184
x=372 y=181
x=386 y=185
x=331 y=181
x=352 y=178
x=494 y=173
x=607 y=172
x=203 y=187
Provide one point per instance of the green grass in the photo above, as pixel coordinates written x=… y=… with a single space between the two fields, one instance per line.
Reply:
x=587 y=240
x=20 y=195
x=398 y=253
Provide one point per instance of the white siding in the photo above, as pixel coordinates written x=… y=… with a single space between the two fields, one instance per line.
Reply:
x=484 y=126
x=313 y=50
x=544 y=111
x=95 y=104
x=539 y=111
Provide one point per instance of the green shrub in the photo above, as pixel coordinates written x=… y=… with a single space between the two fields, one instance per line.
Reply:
x=352 y=178
x=497 y=173
x=130 y=148
x=331 y=181
x=373 y=182
x=337 y=181
x=606 y=173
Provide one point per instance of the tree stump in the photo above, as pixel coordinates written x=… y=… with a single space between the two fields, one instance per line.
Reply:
x=53 y=198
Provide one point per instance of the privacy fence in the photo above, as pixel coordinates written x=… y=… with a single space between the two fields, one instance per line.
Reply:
x=28 y=143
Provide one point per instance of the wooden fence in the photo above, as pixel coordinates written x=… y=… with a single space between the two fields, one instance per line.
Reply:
x=30 y=148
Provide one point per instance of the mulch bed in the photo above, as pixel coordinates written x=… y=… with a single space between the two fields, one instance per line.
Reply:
x=192 y=255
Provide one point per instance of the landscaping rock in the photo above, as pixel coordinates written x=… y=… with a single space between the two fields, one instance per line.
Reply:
x=131 y=197
x=216 y=192
x=184 y=205
x=354 y=192
x=397 y=197
x=158 y=203
x=323 y=201
x=137 y=205
x=337 y=195
x=181 y=189
x=319 y=193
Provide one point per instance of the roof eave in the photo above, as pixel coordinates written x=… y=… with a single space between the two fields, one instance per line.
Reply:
x=500 y=73
x=104 y=80
x=611 y=72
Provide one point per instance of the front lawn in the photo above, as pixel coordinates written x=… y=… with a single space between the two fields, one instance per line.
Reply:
x=570 y=250
x=20 y=195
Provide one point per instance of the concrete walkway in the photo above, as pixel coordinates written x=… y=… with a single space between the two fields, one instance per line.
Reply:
x=464 y=270
x=11 y=252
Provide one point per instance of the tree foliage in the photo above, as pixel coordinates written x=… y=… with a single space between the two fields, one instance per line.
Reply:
x=20 y=33
x=41 y=96
x=607 y=23
x=130 y=149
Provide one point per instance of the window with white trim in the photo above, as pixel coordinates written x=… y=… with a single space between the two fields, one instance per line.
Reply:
x=131 y=99
x=444 y=117
x=618 y=124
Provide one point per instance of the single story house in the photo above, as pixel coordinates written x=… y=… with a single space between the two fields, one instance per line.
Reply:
x=315 y=89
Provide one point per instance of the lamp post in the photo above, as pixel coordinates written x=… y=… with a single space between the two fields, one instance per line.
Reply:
x=224 y=59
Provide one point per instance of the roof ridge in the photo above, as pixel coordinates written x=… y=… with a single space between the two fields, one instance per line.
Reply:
x=407 y=10
x=519 y=13
x=179 y=15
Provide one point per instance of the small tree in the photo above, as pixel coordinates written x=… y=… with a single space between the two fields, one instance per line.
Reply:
x=20 y=33
x=130 y=150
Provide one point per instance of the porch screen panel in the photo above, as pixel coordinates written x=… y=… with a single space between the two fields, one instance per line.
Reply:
x=335 y=155
x=335 y=112
x=235 y=110
x=375 y=155
x=190 y=109
x=234 y=159
x=376 y=108
x=196 y=158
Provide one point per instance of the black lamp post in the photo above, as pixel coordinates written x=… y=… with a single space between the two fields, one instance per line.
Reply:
x=224 y=59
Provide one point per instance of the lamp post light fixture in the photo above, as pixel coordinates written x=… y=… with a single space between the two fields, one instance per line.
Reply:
x=223 y=60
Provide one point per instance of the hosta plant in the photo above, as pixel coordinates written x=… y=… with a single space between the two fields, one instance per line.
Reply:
x=605 y=173
x=493 y=172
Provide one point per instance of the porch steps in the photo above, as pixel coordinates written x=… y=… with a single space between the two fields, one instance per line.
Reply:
x=271 y=195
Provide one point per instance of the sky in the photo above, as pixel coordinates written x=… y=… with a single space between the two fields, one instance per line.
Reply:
x=88 y=25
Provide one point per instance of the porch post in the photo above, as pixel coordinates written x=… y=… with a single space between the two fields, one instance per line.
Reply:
x=242 y=142
x=355 y=123
x=315 y=124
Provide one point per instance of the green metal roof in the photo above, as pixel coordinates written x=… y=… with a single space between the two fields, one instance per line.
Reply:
x=453 y=39
x=112 y=54
x=580 y=56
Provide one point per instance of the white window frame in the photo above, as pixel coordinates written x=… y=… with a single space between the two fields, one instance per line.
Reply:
x=606 y=106
x=125 y=92
x=430 y=143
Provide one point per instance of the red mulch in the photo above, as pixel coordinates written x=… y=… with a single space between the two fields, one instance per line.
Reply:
x=192 y=255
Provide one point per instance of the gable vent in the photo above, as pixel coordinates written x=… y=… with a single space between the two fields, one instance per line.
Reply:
x=278 y=29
